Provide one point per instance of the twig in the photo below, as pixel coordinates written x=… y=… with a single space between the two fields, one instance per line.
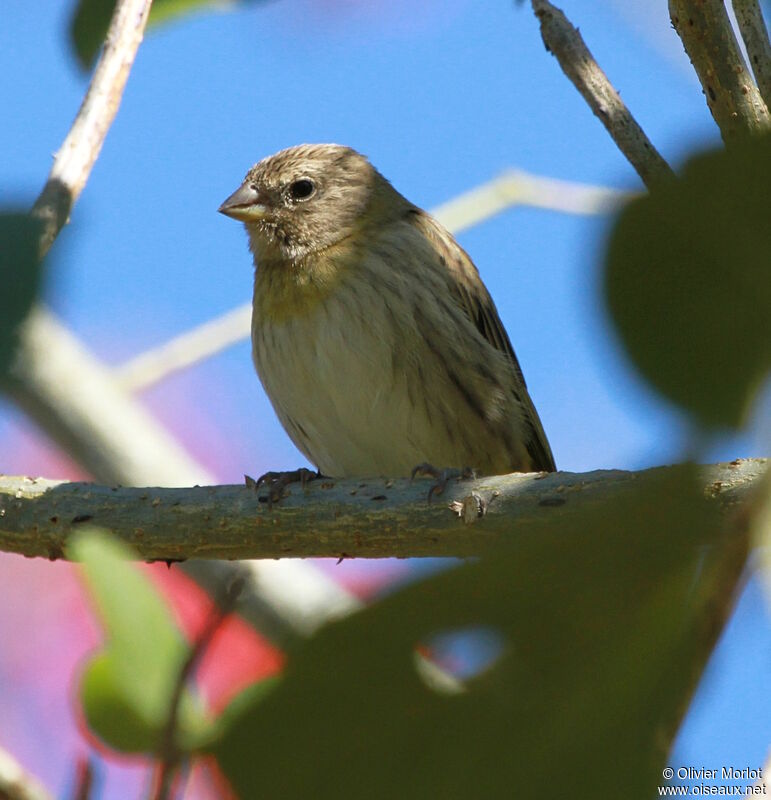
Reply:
x=16 y=783
x=169 y=753
x=84 y=779
x=519 y=188
x=80 y=149
x=565 y=42
x=732 y=96
x=755 y=34
x=184 y=350
x=462 y=212
x=373 y=518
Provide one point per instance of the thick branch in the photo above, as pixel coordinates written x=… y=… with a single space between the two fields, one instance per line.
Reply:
x=565 y=42
x=732 y=96
x=365 y=519
x=71 y=395
x=755 y=35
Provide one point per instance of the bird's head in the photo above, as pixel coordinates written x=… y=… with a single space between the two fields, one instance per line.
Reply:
x=307 y=198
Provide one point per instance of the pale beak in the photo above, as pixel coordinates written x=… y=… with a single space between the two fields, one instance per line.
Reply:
x=244 y=204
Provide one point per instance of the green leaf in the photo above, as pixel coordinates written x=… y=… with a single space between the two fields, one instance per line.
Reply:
x=110 y=711
x=605 y=621
x=244 y=702
x=89 y=24
x=20 y=278
x=688 y=283
x=126 y=689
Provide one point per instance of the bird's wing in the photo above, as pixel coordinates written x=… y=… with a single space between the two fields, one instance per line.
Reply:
x=475 y=301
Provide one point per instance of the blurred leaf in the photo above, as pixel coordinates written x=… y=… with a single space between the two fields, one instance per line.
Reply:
x=688 y=283
x=108 y=709
x=88 y=28
x=607 y=620
x=20 y=277
x=243 y=702
x=126 y=689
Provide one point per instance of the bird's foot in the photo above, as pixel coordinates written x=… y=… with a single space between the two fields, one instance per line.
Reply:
x=278 y=481
x=442 y=476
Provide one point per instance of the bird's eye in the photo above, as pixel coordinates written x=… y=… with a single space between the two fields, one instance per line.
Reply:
x=302 y=189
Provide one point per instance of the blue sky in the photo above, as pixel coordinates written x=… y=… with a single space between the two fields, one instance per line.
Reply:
x=441 y=99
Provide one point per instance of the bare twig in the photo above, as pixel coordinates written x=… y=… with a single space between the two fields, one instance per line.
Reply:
x=462 y=212
x=186 y=349
x=565 y=42
x=169 y=753
x=519 y=188
x=732 y=96
x=373 y=518
x=16 y=783
x=80 y=149
x=755 y=34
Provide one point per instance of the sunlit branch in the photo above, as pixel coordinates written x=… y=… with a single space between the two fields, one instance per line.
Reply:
x=374 y=518
x=731 y=93
x=73 y=163
x=755 y=34
x=566 y=43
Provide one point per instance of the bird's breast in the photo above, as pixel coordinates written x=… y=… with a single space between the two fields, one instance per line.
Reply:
x=334 y=371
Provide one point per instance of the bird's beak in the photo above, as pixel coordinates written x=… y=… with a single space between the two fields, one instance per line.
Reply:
x=244 y=204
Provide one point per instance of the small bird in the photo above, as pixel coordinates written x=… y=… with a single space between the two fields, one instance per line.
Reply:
x=372 y=333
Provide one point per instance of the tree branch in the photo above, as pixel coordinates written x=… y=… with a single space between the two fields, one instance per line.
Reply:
x=564 y=41
x=80 y=149
x=372 y=518
x=71 y=395
x=755 y=35
x=732 y=96
x=16 y=784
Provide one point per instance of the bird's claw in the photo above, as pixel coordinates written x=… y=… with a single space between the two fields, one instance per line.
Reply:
x=278 y=481
x=442 y=476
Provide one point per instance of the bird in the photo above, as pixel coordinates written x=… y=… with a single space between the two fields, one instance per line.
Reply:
x=373 y=335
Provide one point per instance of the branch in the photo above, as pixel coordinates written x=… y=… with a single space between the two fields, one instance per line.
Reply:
x=72 y=396
x=16 y=784
x=755 y=35
x=373 y=518
x=732 y=96
x=80 y=149
x=565 y=42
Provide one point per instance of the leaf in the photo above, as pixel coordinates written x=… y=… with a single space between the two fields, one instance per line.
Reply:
x=126 y=688
x=20 y=278
x=243 y=702
x=688 y=283
x=605 y=621
x=91 y=19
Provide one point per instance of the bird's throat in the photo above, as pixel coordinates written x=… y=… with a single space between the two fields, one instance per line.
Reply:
x=284 y=289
